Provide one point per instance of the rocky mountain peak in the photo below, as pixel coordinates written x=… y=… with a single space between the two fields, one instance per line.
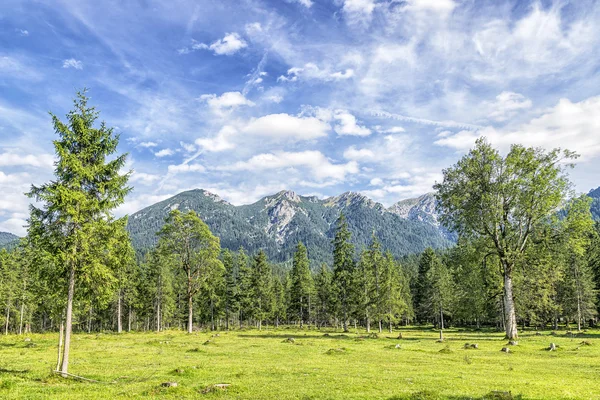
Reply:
x=421 y=208
x=351 y=198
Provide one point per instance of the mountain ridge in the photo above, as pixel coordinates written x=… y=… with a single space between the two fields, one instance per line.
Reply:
x=277 y=222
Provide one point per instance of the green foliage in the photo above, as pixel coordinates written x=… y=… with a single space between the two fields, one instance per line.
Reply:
x=302 y=287
x=343 y=270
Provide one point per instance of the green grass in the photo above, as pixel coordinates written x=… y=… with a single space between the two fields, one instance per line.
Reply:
x=316 y=365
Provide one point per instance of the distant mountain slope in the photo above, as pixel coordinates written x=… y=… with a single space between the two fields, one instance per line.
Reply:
x=276 y=223
x=595 y=207
x=8 y=240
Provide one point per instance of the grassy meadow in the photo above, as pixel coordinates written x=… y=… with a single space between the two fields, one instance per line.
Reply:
x=314 y=365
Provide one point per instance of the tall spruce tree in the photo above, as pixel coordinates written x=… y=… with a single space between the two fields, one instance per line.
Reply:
x=245 y=295
x=395 y=298
x=343 y=270
x=324 y=295
x=262 y=288
x=74 y=222
x=302 y=285
x=231 y=287
x=503 y=199
x=426 y=261
x=197 y=251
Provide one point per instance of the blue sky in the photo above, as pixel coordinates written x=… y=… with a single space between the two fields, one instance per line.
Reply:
x=245 y=98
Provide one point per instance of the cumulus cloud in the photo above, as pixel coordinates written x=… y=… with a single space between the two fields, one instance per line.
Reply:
x=72 y=63
x=221 y=142
x=148 y=144
x=569 y=125
x=31 y=160
x=186 y=168
x=225 y=102
x=230 y=44
x=312 y=71
x=164 y=153
x=305 y=3
x=320 y=167
x=143 y=178
x=347 y=125
x=507 y=105
x=286 y=126
x=358 y=11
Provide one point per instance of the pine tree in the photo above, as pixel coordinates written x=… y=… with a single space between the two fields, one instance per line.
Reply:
x=231 y=287
x=302 y=285
x=426 y=261
x=280 y=304
x=343 y=270
x=440 y=292
x=324 y=295
x=74 y=222
x=395 y=298
x=262 y=288
x=196 y=249
x=245 y=293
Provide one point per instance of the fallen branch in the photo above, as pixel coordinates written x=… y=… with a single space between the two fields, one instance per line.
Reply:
x=81 y=377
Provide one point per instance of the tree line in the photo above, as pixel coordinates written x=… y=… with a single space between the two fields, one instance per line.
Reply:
x=525 y=256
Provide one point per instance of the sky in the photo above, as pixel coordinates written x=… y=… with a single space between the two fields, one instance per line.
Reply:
x=245 y=98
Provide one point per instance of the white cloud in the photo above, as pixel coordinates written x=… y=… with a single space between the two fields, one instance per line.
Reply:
x=285 y=126
x=358 y=11
x=14 y=225
x=567 y=125
x=305 y=3
x=376 y=182
x=225 y=102
x=72 y=63
x=173 y=169
x=507 y=105
x=315 y=161
x=143 y=178
x=148 y=144
x=230 y=44
x=442 y=6
x=312 y=71
x=352 y=153
x=23 y=32
x=221 y=142
x=38 y=160
x=187 y=147
x=164 y=153
x=347 y=125
x=393 y=129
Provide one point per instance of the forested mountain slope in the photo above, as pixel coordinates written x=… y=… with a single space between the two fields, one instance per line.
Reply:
x=276 y=223
x=595 y=207
x=8 y=240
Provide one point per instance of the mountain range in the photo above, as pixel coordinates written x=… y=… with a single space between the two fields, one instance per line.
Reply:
x=277 y=223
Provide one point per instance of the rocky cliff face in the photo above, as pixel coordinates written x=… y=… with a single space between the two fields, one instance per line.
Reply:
x=277 y=223
x=421 y=209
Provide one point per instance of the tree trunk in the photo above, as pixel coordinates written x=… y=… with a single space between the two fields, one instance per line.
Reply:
x=21 y=320
x=119 y=316
x=190 y=312
x=60 y=344
x=380 y=327
x=89 y=325
x=7 y=318
x=441 y=324
x=158 y=315
x=69 y=323
x=129 y=319
x=509 y=309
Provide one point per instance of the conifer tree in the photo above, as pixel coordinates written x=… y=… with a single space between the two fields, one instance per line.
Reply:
x=343 y=270
x=395 y=298
x=426 y=261
x=262 y=288
x=301 y=285
x=245 y=294
x=440 y=290
x=280 y=304
x=74 y=222
x=231 y=287
x=324 y=295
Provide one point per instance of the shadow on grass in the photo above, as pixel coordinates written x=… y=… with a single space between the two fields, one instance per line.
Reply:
x=7 y=344
x=13 y=371
x=340 y=336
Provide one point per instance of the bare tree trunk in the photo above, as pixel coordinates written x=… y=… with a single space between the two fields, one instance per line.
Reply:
x=441 y=324
x=60 y=344
x=69 y=323
x=21 y=319
x=380 y=327
x=7 y=318
x=119 y=314
x=509 y=308
x=190 y=313
x=158 y=316
x=129 y=319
